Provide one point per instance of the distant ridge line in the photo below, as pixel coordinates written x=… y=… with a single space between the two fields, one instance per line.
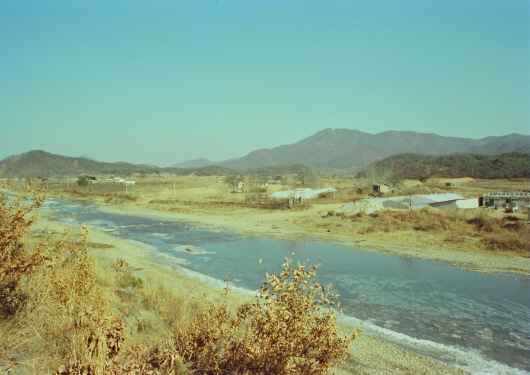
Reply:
x=329 y=149
x=339 y=148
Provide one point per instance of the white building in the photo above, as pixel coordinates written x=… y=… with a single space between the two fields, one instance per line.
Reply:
x=502 y=199
x=447 y=201
x=298 y=193
x=454 y=204
x=380 y=187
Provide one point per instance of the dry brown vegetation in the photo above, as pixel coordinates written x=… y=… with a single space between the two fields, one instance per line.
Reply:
x=144 y=316
x=254 y=340
x=63 y=313
x=208 y=197
x=506 y=234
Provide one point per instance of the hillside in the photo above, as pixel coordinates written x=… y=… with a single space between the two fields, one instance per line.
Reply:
x=44 y=164
x=353 y=150
x=412 y=166
x=41 y=163
x=329 y=149
x=194 y=163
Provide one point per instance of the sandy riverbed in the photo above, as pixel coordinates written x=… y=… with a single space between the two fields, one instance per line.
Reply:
x=291 y=225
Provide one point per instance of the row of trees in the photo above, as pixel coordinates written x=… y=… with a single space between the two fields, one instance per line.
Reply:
x=298 y=175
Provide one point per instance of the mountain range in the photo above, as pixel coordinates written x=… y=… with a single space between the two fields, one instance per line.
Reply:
x=353 y=149
x=329 y=149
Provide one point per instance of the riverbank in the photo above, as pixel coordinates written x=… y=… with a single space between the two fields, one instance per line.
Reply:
x=316 y=224
x=367 y=355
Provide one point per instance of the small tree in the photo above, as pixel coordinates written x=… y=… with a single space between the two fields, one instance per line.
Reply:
x=423 y=178
x=231 y=181
x=395 y=178
x=85 y=180
x=308 y=177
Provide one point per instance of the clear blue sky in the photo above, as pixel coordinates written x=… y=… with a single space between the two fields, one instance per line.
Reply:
x=160 y=82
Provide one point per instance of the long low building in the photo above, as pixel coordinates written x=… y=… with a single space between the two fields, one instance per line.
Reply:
x=447 y=201
x=455 y=204
x=500 y=199
x=301 y=193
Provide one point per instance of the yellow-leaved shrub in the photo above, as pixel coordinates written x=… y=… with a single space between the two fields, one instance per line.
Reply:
x=288 y=328
x=57 y=317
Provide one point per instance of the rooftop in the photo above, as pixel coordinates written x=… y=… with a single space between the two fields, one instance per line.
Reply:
x=500 y=194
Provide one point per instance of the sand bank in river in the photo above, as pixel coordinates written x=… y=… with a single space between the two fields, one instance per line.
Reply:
x=291 y=225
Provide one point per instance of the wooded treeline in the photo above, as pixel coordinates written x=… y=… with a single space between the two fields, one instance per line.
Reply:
x=407 y=165
x=416 y=166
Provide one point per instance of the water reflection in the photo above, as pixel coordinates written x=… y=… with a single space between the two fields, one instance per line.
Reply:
x=408 y=263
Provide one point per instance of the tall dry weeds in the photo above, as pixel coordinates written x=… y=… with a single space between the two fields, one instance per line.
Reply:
x=17 y=260
x=489 y=233
x=49 y=293
x=59 y=317
x=501 y=234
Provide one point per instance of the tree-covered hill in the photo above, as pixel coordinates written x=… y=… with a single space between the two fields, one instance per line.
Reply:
x=44 y=164
x=507 y=165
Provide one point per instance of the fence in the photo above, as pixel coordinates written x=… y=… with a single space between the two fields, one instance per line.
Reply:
x=264 y=205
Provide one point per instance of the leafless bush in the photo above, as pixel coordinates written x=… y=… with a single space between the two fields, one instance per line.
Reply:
x=487 y=224
x=518 y=241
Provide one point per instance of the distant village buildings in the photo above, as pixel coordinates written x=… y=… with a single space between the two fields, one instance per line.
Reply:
x=126 y=183
x=455 y=204
x=301 y=194
x=510 y=202
x=505 y=200
x=445 y=201
x=380 y=188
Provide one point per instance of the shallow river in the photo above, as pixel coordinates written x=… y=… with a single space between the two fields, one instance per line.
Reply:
x=477 y=322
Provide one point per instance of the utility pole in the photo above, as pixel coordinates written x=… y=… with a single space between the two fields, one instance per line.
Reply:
x=174 y=190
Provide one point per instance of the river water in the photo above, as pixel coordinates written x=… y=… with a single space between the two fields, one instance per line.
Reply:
x=476 y=322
